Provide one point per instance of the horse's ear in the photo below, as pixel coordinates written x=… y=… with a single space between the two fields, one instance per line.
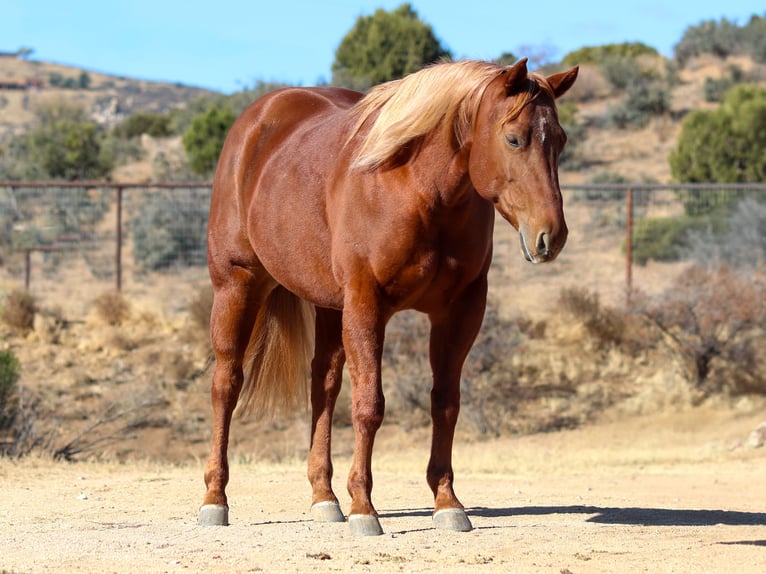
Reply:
x=563 y=81
x=515 y=76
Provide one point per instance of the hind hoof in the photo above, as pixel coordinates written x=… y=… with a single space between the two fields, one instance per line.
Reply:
x=327 y=511
x=364 y=525
x=452 y=519
x=213 y=515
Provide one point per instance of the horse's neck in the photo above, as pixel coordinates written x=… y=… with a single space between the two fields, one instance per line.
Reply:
x=443 y=171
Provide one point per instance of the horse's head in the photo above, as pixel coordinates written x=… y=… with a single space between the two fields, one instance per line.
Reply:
x=514 y=154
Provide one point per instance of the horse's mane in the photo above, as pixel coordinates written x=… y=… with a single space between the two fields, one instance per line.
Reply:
x=448 y=94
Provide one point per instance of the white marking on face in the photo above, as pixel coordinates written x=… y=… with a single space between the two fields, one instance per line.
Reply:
x=542 y=125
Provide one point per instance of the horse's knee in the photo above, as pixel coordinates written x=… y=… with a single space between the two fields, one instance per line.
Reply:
x=368 y=415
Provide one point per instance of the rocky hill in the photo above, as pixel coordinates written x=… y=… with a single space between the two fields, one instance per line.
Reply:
x=634 y=154
x=24 y=84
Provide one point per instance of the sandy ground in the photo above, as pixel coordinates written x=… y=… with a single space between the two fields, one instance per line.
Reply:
x=680 y=492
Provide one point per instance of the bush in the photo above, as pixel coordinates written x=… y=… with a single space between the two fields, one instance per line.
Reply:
x=9 y=377
x=741 y=243
x=724 y=145
x=19 y=311
x=599 y=54
x=715 y=89
x=111 y=307
x=203 y=140
x=170 y=229
x=155 y=125
x=667 y=238
x=572 y=156
x=643 y=101
x=714 y=320
x=622 y=72
x=722 y=39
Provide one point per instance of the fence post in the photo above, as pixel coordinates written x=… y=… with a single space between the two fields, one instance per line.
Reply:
x=27 y=268
x=628 y=245
x=118 y=247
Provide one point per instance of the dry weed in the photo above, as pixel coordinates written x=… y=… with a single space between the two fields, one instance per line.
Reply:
x=19 y=310
x=112 y=308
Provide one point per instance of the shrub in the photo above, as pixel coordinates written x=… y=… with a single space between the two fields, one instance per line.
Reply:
x=740 y=243
x=153 y=124
x=572 y=156
x=19 y=310
x=598 y=54
x=722 y=39
x=9 y=377
x=111 y=307
x=667 y=238
x=714 y=321
x=724 y=145
x=644 y=100
x=203 y=140
x=715 y=89
x=170 y=229
x=621 y=72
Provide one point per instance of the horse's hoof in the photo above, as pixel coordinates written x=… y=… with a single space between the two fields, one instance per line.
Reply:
x=327 y=511
x=213 y=515
x=364 y=525
x=452 y=519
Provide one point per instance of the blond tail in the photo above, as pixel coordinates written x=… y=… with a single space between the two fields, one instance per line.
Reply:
x=278 y=357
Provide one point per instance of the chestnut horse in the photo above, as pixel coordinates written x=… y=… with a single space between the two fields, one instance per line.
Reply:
x=331 y=212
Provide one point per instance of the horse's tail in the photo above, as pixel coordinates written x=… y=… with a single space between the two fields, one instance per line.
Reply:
x=278 y=358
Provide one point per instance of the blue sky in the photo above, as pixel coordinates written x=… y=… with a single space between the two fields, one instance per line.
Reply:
x=229 y=44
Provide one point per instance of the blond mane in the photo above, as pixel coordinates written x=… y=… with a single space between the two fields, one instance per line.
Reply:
x=448 y=94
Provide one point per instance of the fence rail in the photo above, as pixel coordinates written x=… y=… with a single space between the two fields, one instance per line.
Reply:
x=85 y=229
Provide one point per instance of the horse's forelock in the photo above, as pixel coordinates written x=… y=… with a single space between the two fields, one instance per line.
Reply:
x=535 y=86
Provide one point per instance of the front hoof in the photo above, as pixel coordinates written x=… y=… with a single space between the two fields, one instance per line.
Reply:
x=364 y=525
x=452 y=519
x=327 y=511
x=213 y=515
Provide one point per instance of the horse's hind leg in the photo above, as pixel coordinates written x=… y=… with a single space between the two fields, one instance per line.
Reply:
x=235 y=307
x=326 y=379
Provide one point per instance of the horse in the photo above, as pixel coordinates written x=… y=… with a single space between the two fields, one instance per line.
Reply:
x=331 y=211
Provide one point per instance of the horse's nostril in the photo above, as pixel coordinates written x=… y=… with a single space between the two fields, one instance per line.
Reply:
x=543 y=240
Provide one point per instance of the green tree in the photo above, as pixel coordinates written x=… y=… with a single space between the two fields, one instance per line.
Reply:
x=600 y=54
x=726 y=145
x=204 y=138
x=139 y=123
x=723 y=38
x=385 y=46
x=63 y=144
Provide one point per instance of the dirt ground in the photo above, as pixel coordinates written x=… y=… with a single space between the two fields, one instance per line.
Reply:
x=679 y=492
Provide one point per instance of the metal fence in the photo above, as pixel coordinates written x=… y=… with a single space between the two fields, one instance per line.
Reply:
x=67 y=242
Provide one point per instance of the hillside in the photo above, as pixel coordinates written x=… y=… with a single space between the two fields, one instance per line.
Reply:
x=108 y=98
x=636 y=154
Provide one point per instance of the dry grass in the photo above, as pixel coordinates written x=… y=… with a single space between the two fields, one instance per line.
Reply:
x=18 y=310
x=111 y=308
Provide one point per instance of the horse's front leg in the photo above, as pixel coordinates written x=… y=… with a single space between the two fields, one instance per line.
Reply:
x=326 y=379
x=453 y=332
x=363 y=333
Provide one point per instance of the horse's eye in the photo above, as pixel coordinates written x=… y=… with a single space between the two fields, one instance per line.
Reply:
x=513 y=140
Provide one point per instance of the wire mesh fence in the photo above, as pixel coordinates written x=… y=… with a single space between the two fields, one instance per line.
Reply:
x=67 y=243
